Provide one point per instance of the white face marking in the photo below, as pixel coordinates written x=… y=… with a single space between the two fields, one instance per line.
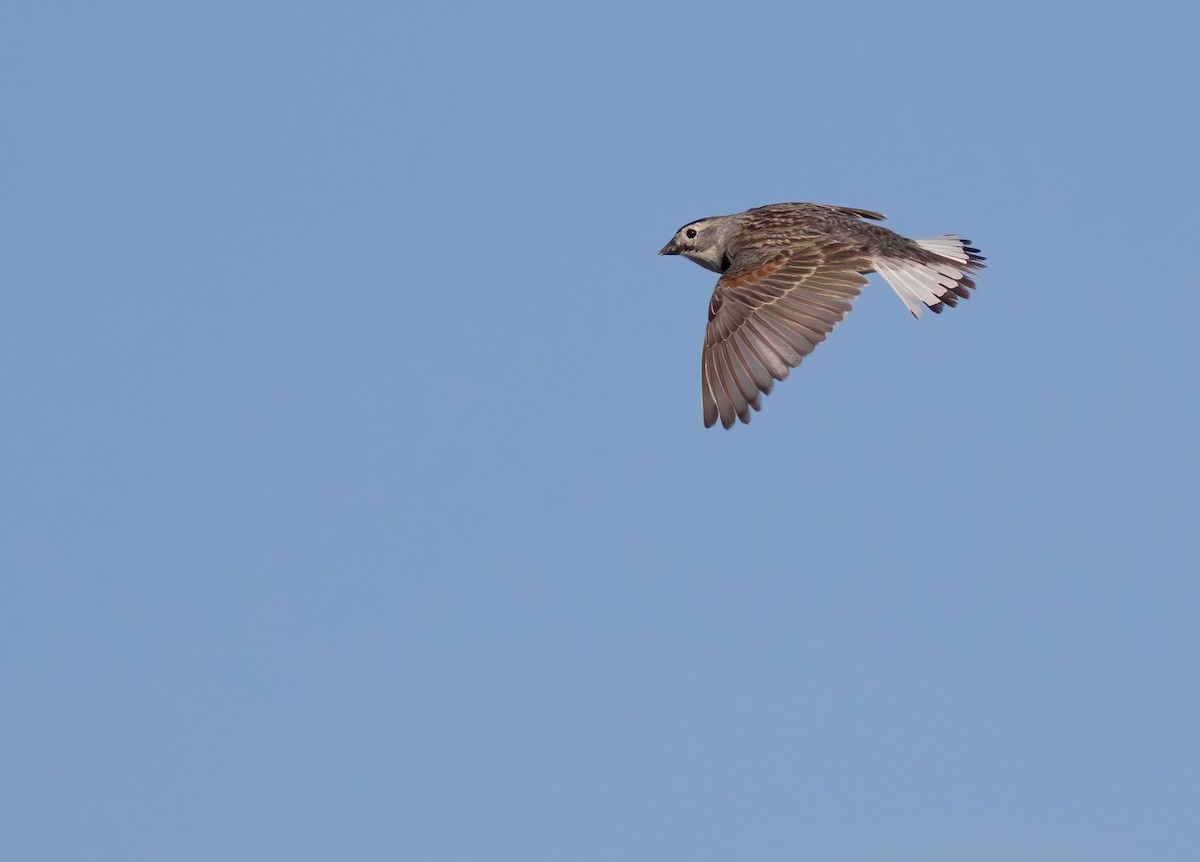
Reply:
x=701 y=243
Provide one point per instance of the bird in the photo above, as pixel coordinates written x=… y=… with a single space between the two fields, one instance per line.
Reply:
x=789 y=273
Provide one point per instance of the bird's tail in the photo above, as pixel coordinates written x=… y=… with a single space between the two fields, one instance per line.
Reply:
x=937 y=275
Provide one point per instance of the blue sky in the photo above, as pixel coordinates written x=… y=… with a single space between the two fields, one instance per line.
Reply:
x=355 y=497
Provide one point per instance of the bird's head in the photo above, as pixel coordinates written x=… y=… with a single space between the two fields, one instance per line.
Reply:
x=702 y=241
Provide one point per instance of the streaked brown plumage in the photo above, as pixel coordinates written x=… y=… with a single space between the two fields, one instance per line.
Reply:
x=789 y=273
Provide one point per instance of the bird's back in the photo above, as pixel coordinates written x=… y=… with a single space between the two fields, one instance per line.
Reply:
x=789 y=224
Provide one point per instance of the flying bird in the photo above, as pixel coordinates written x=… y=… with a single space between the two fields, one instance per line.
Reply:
x=788 y=275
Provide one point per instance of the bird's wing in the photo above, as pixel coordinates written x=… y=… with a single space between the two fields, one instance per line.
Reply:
x=855 y=211
x=769 y=310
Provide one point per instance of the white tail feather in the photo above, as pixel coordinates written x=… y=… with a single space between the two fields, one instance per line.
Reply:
x=930 y=284
x=947 y=246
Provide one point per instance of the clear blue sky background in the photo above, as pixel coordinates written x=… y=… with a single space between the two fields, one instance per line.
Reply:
x=354 y=497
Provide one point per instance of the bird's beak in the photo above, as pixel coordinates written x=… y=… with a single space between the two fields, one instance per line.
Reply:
x=670 y=248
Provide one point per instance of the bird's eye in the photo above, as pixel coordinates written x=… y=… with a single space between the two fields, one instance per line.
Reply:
x=691 y=233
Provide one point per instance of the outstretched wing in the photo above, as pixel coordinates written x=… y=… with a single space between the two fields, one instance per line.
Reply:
x=770 y=309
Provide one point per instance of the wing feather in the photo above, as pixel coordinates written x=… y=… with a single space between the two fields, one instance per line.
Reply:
x=769 y=310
